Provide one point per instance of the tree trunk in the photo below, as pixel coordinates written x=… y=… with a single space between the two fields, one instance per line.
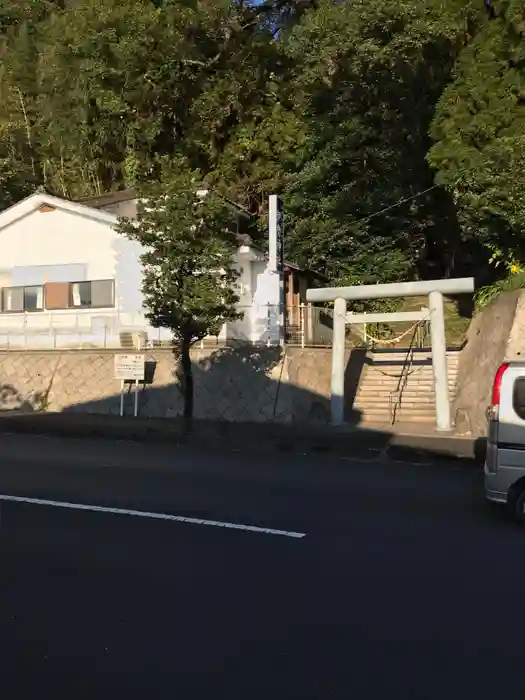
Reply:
x=186 y=378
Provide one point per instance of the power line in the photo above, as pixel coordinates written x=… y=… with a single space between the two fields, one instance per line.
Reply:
x=396 y=204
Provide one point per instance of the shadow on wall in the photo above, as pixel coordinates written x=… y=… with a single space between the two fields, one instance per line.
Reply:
x=353 y=374
x=245 y=396
x=12 y=400
x=233 y=383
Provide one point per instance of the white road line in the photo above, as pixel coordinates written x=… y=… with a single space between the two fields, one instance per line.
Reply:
x=154 y=516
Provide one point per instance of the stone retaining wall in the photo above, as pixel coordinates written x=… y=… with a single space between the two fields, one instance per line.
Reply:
x=495 y=334
x=240 y=383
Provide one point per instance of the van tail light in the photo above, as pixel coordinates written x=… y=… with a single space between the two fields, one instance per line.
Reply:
x=496 y=387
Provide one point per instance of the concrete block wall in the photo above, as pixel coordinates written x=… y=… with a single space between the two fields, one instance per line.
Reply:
x=241 y=383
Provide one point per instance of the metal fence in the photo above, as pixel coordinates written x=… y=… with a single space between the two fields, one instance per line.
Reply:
x=89 y=329
x=51 y=330
x=303 y=325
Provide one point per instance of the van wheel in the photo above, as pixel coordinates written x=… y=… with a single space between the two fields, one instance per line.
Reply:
x=518 y=507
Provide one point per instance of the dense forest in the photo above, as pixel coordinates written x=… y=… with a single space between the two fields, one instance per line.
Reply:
x=393 y=129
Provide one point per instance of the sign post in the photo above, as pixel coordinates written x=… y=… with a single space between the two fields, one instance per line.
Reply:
x=129 y=368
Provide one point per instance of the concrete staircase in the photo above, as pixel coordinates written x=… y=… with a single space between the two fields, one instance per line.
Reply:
x=397 y=387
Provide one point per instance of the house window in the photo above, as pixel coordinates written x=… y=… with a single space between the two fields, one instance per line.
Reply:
x=96 y=294
x=33 y=298
x=57 y=295
x=23 y=298
x=81 y=294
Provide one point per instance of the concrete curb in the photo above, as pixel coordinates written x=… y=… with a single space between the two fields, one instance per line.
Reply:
x=345 y=441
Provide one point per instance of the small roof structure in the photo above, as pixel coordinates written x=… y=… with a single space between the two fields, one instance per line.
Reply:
x=112 y=199
x=43 y=202
x=93 y=207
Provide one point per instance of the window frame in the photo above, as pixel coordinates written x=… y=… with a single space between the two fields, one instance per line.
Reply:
x=71 y=306
x=24 y=310
x=91 y=306
x=56 y=308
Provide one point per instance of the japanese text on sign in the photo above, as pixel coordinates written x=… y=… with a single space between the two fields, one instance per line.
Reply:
x=129 y=367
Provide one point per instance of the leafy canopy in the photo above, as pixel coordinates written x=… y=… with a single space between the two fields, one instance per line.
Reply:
x=189 y=239
x=353 y=112
x=368 y=75
x=479 y=133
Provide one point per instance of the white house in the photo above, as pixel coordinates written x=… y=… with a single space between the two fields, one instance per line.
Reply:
x=67 y=278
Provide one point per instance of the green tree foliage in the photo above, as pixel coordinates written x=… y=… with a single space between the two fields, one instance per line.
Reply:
x=108 y=86
x=479 y=133
x=189 y=275
x=370 y=73
x=329 y=104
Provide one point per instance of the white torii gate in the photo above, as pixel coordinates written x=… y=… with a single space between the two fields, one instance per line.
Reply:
x=435 y=290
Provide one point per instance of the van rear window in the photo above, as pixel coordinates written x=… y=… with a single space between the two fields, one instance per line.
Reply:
x=518 y=397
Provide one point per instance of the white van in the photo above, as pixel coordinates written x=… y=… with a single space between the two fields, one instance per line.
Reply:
x=505 y=460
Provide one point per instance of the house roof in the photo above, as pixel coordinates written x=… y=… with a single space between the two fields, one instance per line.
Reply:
x=108 y=198
x=38 y=200
x=88 y=208
x=120 y=196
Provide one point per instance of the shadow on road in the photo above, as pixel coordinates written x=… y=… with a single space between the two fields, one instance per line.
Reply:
x=242 y=402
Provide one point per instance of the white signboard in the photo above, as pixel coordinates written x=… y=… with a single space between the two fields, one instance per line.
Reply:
x=130 y=367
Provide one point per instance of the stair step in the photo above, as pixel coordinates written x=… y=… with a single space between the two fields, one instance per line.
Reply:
x=406 y=403
x=399 y=417
x=402 y=359
x=398 y=371
x=378 y=378
x=417 y=352
x=420 y=361
x=386 y=377
x=386 y=408
x=386 y=389
x=385 y=380
x=385 y=366
x=376 y=397
x=384 y=418
x=424 y=379
x=430 y=406
x=373 y=424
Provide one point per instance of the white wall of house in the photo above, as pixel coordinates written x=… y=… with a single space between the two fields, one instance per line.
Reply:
x=59 y=237
x=66 y=244
x=74 y=243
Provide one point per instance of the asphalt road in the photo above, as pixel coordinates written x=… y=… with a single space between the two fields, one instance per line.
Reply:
x=405 y=585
